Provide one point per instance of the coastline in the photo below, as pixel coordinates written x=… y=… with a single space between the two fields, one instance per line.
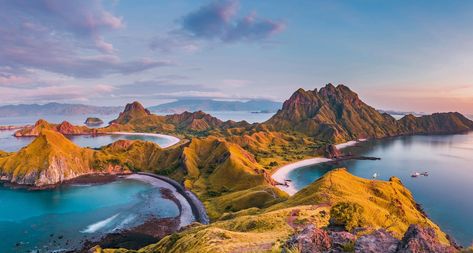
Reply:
x=281 y=174
x=172 y=139
x=186 y=216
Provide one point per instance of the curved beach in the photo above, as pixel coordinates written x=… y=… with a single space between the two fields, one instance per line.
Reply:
x=186 y=215
x=282 y=173
x=172 y=139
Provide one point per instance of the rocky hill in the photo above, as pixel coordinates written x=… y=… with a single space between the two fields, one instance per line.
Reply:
x=437 y=123
x=50 y=159
x=136 y=118
x=65 y=128
x=337 y=114
x=332 y=113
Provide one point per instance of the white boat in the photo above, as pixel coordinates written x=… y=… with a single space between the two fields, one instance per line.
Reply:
x=415 y=174
x=375 y=175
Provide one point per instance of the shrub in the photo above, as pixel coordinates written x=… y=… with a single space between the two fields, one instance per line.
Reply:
x=347 y=214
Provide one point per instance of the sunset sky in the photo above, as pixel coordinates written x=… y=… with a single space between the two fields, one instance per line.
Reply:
x=400 y=55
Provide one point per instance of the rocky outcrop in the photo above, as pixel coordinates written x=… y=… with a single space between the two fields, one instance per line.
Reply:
x=420 y=239
x=311 y=239
x=331 y=151
x=378 y=241
x=417 y=239
x=65 y=128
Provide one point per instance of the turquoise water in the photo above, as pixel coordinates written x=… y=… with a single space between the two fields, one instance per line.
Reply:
x=446 y=194
x=10 y=143
x=64 y=217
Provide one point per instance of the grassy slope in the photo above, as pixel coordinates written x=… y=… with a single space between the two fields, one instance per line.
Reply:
x=50 y=149
x=226 y=177
x=386 y=205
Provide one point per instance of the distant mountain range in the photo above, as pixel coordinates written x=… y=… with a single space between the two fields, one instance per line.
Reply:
x=207 y=105
x=56 y=109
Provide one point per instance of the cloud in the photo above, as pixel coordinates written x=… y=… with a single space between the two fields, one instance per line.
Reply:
x=218 y=22
x=63 y=37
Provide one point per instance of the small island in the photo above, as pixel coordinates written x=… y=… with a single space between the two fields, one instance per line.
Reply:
x=92 y=121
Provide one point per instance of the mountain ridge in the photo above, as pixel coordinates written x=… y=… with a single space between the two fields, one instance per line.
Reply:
x=193 y=105
x=55 y=109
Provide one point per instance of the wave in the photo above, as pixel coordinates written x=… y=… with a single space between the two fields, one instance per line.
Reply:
x=98 y=225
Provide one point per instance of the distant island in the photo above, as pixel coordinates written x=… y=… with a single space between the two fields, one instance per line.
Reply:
x=93 y=121
x=56 y=109
x=193 y=105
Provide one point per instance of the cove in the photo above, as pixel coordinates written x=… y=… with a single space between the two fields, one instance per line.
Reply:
x=64 y=217
x=10 y=143
x=445 y=194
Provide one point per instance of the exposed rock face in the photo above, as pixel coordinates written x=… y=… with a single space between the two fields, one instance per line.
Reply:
x=378 y=241
x=331 y=152
x=63 y=128
x=337 y=114
x=416 y=240
x=311 y=239
x=422 y=239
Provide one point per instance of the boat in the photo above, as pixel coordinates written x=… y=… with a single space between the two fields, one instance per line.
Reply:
x=375 y=175
x=415 y=174
x=425 y=174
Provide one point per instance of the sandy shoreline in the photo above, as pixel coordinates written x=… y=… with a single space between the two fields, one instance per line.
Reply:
x=282 y=173
x=186 y=216
x=172 y=139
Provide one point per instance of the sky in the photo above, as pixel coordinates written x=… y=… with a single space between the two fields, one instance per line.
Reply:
x=397 y=55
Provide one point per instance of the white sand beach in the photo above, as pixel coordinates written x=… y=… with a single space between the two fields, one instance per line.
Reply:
x=282 y=173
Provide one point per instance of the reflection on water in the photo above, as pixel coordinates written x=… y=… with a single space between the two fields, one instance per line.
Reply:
x=445 y=194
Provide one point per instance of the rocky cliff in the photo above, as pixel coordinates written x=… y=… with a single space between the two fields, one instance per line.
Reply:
x=337 y=114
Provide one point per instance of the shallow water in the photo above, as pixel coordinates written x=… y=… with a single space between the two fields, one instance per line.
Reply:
x=64 y=217
x=10 y=143
x=446 y=194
